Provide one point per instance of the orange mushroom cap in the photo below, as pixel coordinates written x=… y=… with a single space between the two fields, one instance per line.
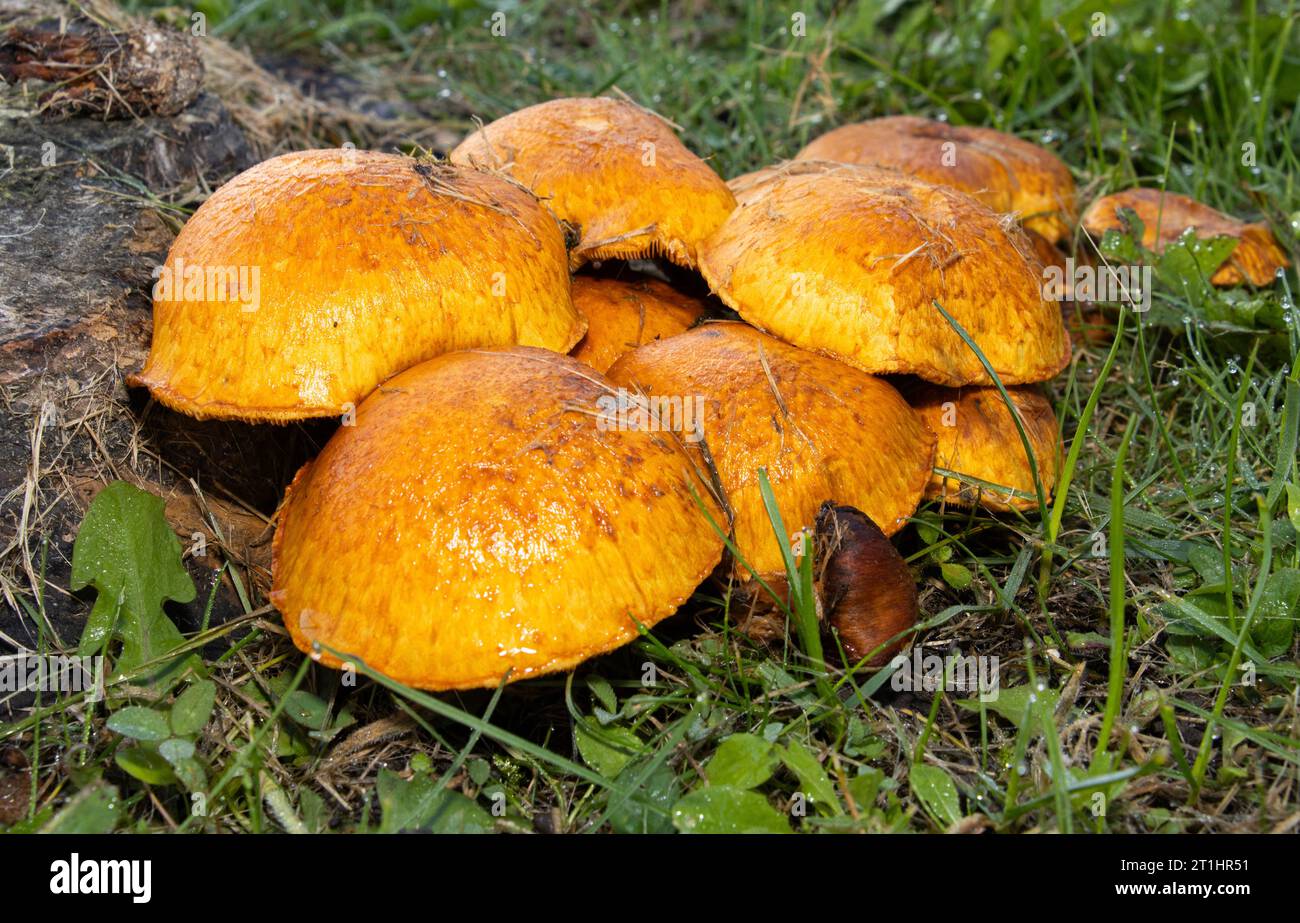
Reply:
x=478 y=520
x=821 y=429
x=1004 y=172
x=1167 y=216
x=622 y=315
x=616 y=171
x=849 y=261
x=1044 y=251
x=978 y=438
x=340 y=268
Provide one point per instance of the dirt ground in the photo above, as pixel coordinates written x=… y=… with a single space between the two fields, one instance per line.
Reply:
x=89 y=202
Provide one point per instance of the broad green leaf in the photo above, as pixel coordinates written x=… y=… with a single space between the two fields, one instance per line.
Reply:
x=421 y=804
x=311 y=711
x=1012 y=703
x=1206 y=617
x=94 y=809
x=649 y=809
x=193 y=707
x=459 y=814
x=1279 y=609
x=741 y=761
x=864 y=787
x=778 y=681
x=145 y=764
x=1087 y=640
x=603 y=692
x=957 y=576
x=935 y=790
x=311 y=807
x=180 y=756
x=140 y=723
x=1191 y=654
x=174 y=749
x=479 y=771
x=1208 y=563
x=608 y=749
x=1186 y=265
x=813 y=781
x=128 y=553
x=723 y=809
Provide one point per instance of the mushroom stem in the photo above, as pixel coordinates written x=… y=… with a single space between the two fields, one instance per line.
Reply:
x=868 y=594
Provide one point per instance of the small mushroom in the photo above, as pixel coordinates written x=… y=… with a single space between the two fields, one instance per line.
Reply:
x=820 y=428
x=868 y=593
x=1167 y=216
x=304 y=282
x=978 y=438
x=849 y=261
x=624 y=314
x=616 y=171
x=1004 y=172
x=479 y=522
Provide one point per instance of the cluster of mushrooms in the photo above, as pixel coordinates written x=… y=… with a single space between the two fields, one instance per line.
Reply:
x=481 y=516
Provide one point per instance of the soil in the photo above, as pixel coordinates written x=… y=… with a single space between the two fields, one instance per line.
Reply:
x=89 y=204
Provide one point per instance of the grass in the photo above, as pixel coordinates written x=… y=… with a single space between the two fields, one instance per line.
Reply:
x=1122 y=706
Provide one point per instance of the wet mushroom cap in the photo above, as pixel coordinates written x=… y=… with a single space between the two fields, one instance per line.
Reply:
x=978 y=438
x=1044 y=251
x=1004 y=172
x=358 y=265
x=612 y=169
x=624 y=314
x=849 y=261
x=751 y=186
x=1166 y=217
x=477 y=520
x=822 y=430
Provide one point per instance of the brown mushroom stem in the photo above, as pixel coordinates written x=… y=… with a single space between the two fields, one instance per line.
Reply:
x=865 y=591
x=868 y=594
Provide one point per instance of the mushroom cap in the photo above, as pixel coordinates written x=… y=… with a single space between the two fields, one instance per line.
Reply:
x=615 y=170
x=362 y=264
x=751 y=186
x=624 y=314
x=1044 y=251
x=978 y=438
x=823 y=430
x=848 y=260
x=1004 y=172
x=476 y=520
x=1166 y=216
